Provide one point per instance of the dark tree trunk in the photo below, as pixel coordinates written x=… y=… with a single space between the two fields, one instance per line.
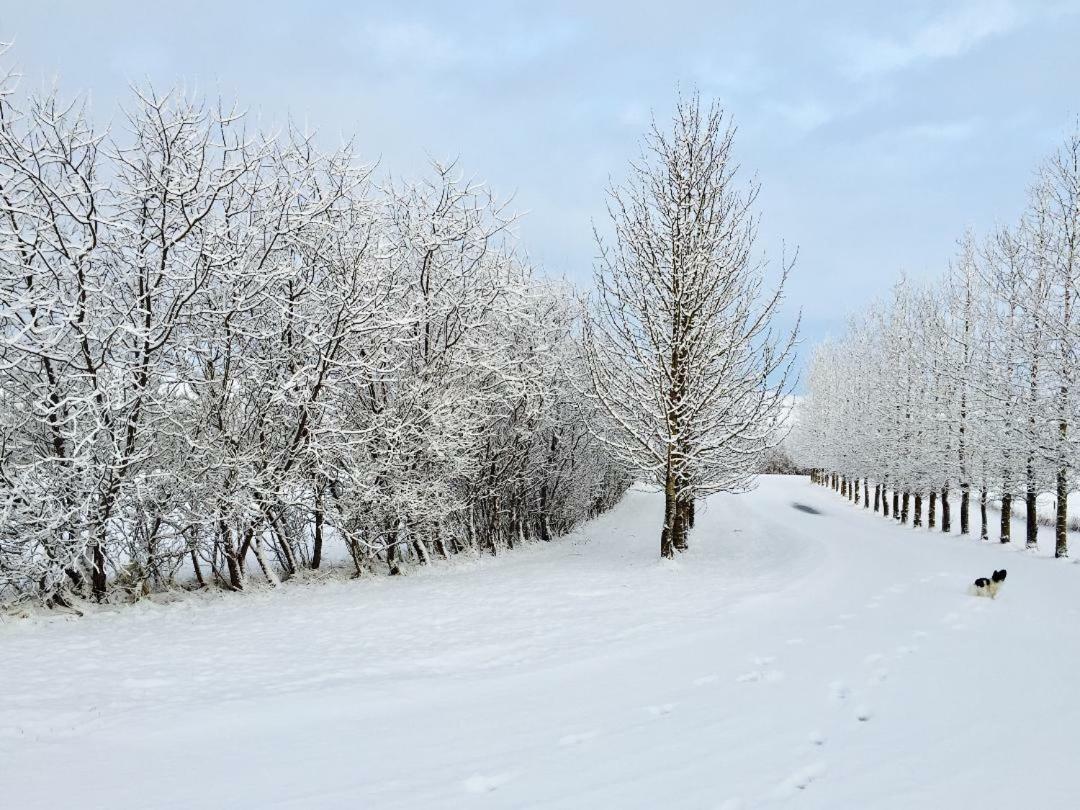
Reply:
x=931 y=510
x=885 y=500
x=198 y=568
x=896 y=504
x=98 y=578
x=984 y=534
x=946 y=511
x=918 y=511
x=1031 y=520
x=865 y=494
x=682 y=520
x=1006 y=518
x=317 y=544
x=667 y=549
x=1061 y=519
x=877 y=498
x=965 y=508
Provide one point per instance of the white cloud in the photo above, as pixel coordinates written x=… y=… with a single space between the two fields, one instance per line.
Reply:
x=948 y=36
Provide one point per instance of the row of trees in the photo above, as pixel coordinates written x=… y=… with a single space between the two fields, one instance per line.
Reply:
x=965 y=385
x=225 y=354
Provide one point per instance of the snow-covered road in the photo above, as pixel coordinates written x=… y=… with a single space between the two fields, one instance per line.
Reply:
x=804 y=653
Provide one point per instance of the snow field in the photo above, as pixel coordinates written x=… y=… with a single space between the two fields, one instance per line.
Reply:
x=814 y=659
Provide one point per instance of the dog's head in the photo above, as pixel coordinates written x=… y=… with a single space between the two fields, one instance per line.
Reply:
x=999 y=576
x=982 y=582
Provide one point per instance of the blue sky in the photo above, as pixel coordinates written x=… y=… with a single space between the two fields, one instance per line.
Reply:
x=879 y=131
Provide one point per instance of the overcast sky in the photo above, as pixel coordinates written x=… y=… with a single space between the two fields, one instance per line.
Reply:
x=879 y=131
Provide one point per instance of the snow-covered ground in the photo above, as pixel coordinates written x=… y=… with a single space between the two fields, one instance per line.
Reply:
x=804 y=653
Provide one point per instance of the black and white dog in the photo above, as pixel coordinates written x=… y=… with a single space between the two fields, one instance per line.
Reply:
x=989 y=587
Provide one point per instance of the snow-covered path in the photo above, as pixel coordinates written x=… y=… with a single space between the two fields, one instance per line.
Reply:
x=804 y=653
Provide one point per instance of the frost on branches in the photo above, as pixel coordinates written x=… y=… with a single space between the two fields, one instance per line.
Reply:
x=680 y=347
x=224 y=354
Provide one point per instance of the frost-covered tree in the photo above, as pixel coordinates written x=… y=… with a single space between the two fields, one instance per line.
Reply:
x=227 y=355
x=680 y=345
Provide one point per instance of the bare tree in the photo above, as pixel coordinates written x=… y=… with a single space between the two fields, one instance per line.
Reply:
x=680 y=344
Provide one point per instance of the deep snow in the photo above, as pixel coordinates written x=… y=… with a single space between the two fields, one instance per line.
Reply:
x=828 y=660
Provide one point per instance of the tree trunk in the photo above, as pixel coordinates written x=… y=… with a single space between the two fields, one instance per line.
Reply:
x=232 y=559
x=877 y=498
x=317 y=544
x=1061 y=521
x=1032 y=519
x=1006 y=518
x=896 y=504
x=885 y=500
x=918 y=511
x=682 y=520
x=865 y=494
x=946 y=511
x=667 y=549
x=906 y=502
x=984 y=534
x=931 y=510
x=965 y=507
x=98 y=577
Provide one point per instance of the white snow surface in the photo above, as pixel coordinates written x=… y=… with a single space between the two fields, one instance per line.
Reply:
x=789 y=659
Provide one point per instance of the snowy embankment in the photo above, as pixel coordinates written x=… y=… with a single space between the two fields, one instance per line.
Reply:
x=803 y=653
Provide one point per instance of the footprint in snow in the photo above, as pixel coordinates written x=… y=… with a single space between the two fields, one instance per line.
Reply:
x=879 y=675
x=863 y=713
x=661 y=710
x=839 y=691
x=801 y=779
x=816 y=738
x=479 y=783
x=838 y=627
x=906 y=649
x=577 y=739
x=705 y=680
x=873 y=658
x=756 y=675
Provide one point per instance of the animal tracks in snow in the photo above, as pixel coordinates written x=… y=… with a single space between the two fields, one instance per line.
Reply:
x=570 y=740
x=479 y=783
x=662 y=710
x=801 y=779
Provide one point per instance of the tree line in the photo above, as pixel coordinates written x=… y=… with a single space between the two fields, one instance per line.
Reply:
x=226 y=354
x=965 y=385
